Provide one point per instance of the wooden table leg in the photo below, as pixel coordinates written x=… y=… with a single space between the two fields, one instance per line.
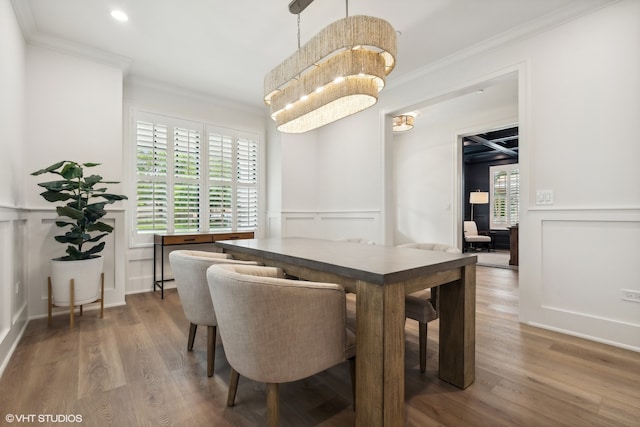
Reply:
x=380 y=355
x=458 y=329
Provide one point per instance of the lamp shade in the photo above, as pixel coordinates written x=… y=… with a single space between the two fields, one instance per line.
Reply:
x=479 y=197
x=402 y=123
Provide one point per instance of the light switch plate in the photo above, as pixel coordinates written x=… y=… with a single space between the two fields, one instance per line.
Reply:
x=544 y=197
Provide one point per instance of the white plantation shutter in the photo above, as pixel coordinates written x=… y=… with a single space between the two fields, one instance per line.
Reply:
x=247 y=187
x=186 y=187
x=192 y=177
x=220 y=180
x=233 y=180
x=514 y=197
x=505 y=196
x=151 y=166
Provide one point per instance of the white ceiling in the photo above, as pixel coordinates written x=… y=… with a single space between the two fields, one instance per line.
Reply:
x=224 y=48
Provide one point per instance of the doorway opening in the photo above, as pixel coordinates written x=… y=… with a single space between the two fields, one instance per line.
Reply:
x=490 y=194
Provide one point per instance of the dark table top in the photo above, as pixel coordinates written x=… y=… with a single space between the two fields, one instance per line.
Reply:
x=372 y=263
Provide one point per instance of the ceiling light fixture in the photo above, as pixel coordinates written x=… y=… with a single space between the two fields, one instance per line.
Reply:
x=337 y=73
x=402 y=123
x=119 y=15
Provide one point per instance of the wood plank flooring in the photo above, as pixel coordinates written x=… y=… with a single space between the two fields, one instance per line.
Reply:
x=132 y=369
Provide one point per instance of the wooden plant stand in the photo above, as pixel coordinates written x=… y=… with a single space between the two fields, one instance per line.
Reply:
x=71 y=302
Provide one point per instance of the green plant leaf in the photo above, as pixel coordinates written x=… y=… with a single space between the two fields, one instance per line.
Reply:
x=98 y=237
x=100 y=226
x=55 y=196
x=94 y=212
x=51 y=168
x=94 y=250
x=113 y=197
x=92 y=180
x=59 y=185
x=71 y=171
x=74 y=253
x=73 y=237
x=64 y=223
x=70 y=212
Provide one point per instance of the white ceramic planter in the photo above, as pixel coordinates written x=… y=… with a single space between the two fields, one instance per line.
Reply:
x=86 y=274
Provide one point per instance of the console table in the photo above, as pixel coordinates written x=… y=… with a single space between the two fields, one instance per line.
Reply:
x=171 y=239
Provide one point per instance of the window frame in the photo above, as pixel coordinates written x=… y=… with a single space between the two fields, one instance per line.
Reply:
x=143 y=239
x=508 y=169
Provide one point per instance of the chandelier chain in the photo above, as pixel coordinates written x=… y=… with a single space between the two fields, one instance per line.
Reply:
x=298 y=31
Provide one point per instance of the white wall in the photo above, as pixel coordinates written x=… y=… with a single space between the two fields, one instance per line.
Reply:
x=13 y=292
x=331 y=181
x=578 y=109
x=74 y=111
x=12 y=106
x=273 y=171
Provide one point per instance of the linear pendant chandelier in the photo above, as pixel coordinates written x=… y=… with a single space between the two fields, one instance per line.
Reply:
x=337 y=73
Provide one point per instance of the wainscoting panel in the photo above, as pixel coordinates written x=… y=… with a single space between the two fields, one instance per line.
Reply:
x=574 y=264
x=18 y=247
x=13 y=304
x=583 y=273
x=332 y=225
x=6 y=279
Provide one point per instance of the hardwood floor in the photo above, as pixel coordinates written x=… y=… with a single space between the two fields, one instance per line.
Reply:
x=132 y=369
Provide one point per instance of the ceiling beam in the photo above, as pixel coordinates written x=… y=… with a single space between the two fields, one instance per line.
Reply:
x=492 y=145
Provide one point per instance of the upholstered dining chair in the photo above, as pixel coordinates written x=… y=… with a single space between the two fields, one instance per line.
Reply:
x=190 y=274
x=472 y=237
x=422 y=305
x=276 y=330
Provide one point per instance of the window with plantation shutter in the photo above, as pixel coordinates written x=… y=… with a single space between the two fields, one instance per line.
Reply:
x=233 y=180
x=194 y=177
x=505 y=196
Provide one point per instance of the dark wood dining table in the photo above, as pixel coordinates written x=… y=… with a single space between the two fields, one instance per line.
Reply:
x=381 y=276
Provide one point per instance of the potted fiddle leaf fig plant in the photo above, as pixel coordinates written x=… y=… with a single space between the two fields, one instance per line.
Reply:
x=82 y=199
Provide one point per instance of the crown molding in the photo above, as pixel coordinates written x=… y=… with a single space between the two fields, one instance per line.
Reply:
x=135 y=80
x=570 y=12
x=81 y=50
x=34 y=37
x=24 y=16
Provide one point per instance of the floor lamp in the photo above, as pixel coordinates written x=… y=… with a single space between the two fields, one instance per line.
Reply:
x=478 y=198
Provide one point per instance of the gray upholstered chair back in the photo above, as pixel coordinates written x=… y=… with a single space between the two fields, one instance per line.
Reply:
x=276 y=330
x=190 y=273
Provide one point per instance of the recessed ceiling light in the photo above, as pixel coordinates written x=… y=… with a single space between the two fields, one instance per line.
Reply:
x=119 y=15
